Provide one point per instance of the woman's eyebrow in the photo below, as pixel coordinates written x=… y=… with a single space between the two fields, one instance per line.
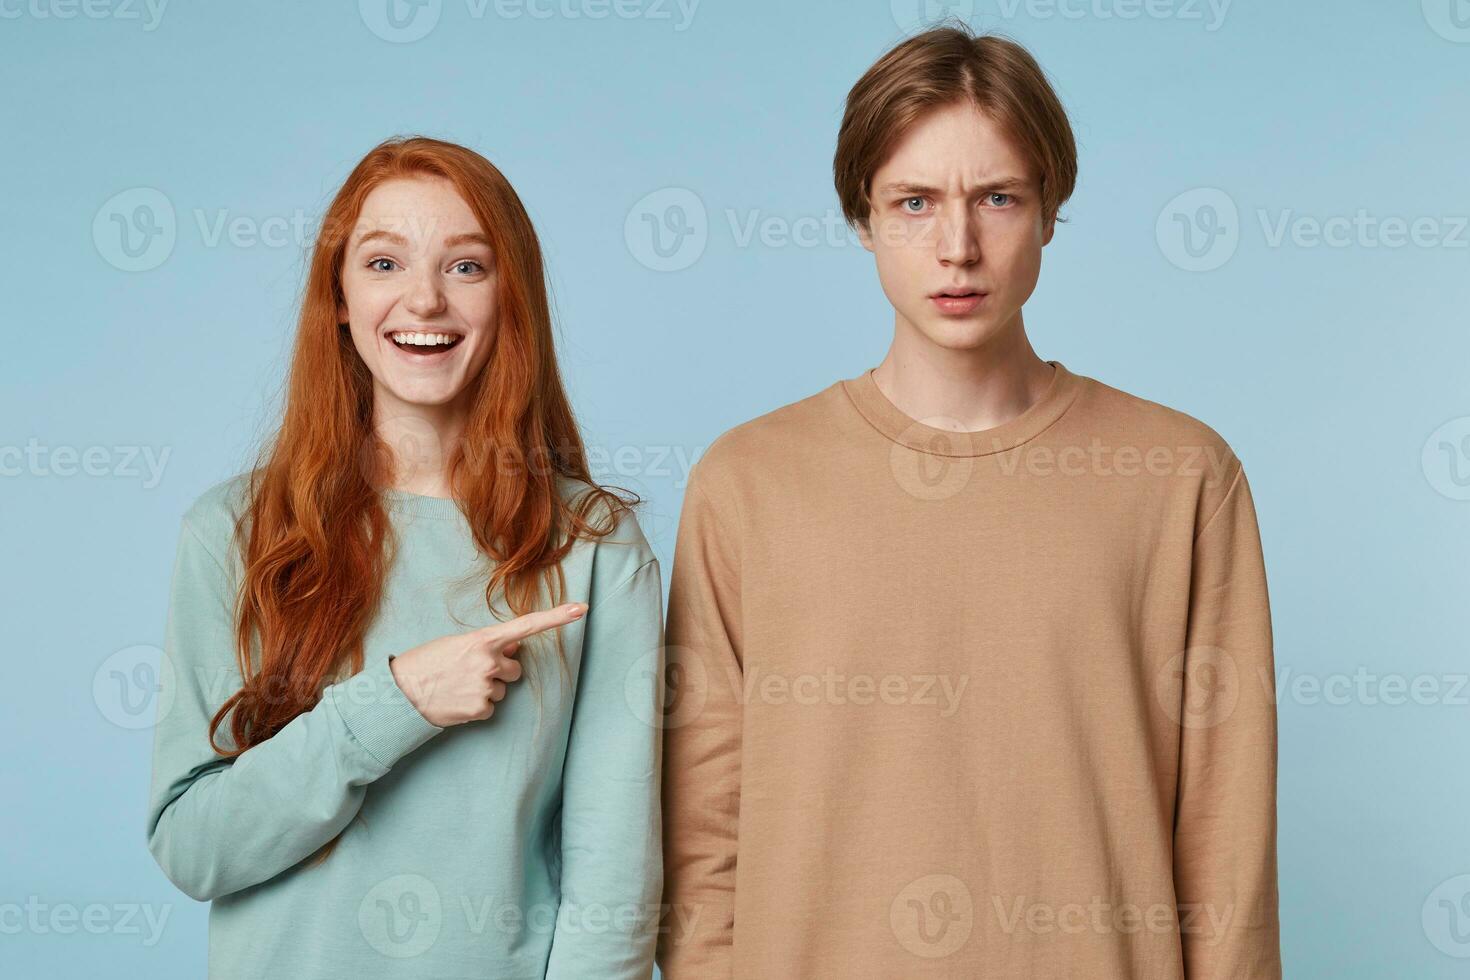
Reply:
x=392 y=237
x=468 y=238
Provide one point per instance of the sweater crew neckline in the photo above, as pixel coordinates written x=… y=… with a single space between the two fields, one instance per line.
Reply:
x=918 y=435
x=420 y=505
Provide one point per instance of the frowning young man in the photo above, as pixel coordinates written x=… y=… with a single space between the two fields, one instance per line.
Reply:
x=965 y=650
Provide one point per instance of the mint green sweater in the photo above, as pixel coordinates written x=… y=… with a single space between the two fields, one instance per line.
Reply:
x=526 y=845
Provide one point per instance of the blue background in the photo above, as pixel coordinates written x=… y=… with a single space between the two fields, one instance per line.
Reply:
x=1340 y=373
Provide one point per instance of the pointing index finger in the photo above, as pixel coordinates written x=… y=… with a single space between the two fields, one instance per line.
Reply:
x=540 y=621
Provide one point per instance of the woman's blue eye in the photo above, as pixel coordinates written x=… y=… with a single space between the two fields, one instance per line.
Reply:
x=387 y=265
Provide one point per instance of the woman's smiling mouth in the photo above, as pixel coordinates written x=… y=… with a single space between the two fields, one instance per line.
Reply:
x=424 y=344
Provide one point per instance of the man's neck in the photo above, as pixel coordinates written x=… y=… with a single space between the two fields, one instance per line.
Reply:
x=962 y=390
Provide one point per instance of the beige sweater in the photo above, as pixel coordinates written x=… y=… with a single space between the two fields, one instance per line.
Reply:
x=992 y=704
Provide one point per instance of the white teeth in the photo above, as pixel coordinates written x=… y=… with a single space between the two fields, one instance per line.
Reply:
x=422 y=339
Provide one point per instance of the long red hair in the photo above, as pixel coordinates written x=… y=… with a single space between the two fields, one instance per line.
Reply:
x=314 y=536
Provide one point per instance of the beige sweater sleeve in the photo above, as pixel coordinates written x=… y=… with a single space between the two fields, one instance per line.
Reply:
x=1225 y=816
x=701 y=788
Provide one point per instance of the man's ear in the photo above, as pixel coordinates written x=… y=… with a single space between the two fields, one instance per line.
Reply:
x=864 y=233
x=1047 y=230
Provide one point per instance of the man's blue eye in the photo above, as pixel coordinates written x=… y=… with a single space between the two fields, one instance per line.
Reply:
x=998 y=194
x=910 y=200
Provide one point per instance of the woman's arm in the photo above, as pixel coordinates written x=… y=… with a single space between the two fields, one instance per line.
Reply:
x=217 y=825
x=611 y=850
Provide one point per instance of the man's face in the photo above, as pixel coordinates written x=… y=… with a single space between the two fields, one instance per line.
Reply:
x=956 y=228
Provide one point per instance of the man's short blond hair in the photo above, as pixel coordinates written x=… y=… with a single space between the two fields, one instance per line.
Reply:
x=940 y=67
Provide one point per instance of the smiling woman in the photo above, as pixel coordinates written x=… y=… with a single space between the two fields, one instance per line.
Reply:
x=419 y=279
x=421 y=531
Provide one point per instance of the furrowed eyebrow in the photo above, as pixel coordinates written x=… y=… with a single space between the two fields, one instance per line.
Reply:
x=1004 y=184
x=918 y=190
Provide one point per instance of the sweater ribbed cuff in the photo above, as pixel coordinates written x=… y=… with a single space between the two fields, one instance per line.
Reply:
x=379 y=715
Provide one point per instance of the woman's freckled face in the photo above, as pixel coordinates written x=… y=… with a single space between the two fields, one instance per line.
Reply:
x=418 y=261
